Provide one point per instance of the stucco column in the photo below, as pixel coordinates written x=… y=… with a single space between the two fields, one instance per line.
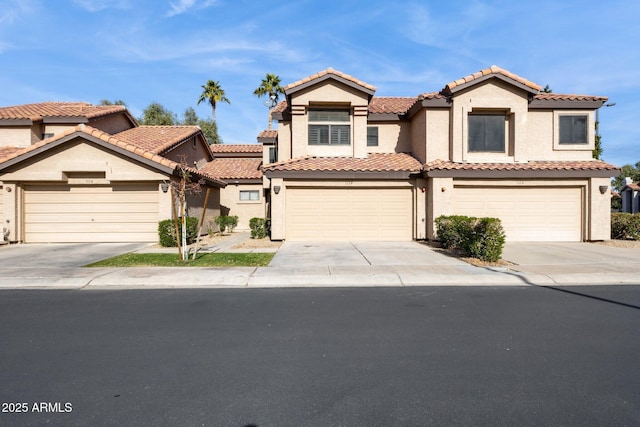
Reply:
x=165 y=210
x=299 y=134
x=10 y=210
x=277 y=209
x=439 y=202
x=600 y=220
x=359 y=142
x=421 y=209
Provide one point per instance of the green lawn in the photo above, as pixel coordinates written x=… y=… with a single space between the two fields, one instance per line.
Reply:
x=202 y=260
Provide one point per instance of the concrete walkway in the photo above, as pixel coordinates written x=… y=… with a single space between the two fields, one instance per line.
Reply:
x=301 y=264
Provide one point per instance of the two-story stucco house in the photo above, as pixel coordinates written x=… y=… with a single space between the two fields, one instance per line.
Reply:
x=75 y=172
x=346 y=164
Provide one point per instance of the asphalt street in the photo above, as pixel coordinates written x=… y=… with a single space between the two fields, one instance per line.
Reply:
x=494 y=356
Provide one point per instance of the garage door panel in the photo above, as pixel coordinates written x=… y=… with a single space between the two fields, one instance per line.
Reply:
x=349 y=214
x=527 y=213
x=60 y=213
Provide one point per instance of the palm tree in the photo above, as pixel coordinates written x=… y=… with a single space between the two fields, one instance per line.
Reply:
x=270 y=85
x=213 y=93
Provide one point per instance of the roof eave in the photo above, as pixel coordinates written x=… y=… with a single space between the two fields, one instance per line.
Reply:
x=348 y=175
x=486 y=77
x=325 y=77
x=517 y=174
x=550 y=104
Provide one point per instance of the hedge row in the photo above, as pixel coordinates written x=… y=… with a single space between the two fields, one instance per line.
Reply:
x=625 y=226
x=481 y=238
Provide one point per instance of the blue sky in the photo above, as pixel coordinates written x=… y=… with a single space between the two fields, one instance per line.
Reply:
x=143 y=51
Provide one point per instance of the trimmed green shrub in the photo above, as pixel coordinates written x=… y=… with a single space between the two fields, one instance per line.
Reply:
x=258 y=228
x=167 y=231
x=227 y=222
x=481 y=238
x=625 y=226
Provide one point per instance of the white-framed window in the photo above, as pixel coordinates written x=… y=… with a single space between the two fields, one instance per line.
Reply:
x=249 y=195
x=573 y=129
x=487 y=132
x=329 y=127
x=372 y=136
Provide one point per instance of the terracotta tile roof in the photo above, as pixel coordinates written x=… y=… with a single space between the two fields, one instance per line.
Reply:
x=40 y=110
x=281 y=107
x=7 y=152
x=326 y=72
x=157 y=139
x=113 y=140
x=582 y=165
x=561 y=97
x=378 y=162
x=229 y=169
x=391 y=105
x=269 y=133
x=236 y=148
x=491 y=70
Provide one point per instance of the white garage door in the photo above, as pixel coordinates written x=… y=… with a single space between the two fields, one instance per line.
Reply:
x=63 y=213
x=349 y=214
x=527 y=213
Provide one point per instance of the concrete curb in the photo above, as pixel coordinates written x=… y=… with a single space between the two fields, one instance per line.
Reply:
x=268 y=277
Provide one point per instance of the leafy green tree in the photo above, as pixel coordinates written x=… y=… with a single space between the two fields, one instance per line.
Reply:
x=156 y=114
x=547 y=89
x=210 y=130
x=190 y=117
x=208 y=127
x=631 y=171
x=270 y=86
x=213 y=93
x=116 y=102
x=597 y=151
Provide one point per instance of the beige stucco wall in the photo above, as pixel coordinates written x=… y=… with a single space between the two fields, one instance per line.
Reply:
x=78 y=156
x=284 y=141
x=599 y=221
x=112 y=124
x=437 y=135
x=57 y=128
x=195 y=206
x=193 y=152
x=328 y=93
x=489 y=95
x=18 y=136
x=393 y=137
x=541 y=137
x=419 y=136
x=245 y=210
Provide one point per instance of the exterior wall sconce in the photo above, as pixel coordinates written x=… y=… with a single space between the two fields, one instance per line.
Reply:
x=603 y=189
x=8 y=189
x=424 y=189
x=164 y=186
x=276 y=189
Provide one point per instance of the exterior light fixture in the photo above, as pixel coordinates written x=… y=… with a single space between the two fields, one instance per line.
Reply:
x=164 y=186
x=276 y=189
x=603 y=189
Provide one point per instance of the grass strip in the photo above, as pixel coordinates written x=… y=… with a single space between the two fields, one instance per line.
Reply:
x=172 y=260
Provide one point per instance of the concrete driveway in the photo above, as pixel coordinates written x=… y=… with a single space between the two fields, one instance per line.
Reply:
x=338 y=254
x=61 y=255
x=571 y=258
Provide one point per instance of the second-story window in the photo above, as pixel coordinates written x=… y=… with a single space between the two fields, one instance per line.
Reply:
x=329 y=127
x=487 y=133
x=573 y=129
x=372 y=136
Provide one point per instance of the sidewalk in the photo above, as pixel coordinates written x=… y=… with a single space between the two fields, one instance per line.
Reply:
x=364 y=264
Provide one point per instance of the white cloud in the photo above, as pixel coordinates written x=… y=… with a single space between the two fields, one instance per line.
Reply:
x=98 y=5
x=184 y=5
